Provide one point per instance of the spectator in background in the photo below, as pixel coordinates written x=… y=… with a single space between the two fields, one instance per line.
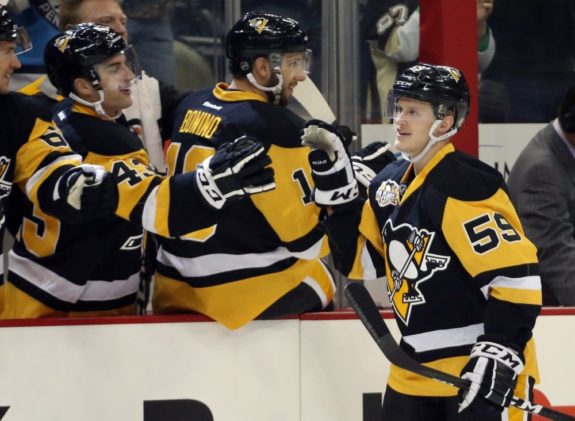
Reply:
x=542 y=186
x=392 y=31
x=533 y=67
x=150 y=32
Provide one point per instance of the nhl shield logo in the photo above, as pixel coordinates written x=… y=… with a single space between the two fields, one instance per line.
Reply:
x=388 y=194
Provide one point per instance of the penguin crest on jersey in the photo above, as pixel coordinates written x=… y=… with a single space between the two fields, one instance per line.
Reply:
x=409 y=263
x=388 y=194
x=5 y=186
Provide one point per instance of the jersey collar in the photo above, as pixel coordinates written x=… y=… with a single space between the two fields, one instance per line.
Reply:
x=422 y=175
x=222 y=93
x=84 y=109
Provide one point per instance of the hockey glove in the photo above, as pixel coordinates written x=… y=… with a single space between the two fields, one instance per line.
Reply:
x=369 y=161
x=331 y=167
x=236 y=170
x=492 y=369
x=89 y=189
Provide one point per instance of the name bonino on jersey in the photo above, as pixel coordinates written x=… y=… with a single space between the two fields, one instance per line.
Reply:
x=200 y=123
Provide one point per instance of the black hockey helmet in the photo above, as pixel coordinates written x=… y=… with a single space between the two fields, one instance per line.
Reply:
x=9 y=31
x=443 y=86
x=75 y=52
x=8 y=28
x=259 y=34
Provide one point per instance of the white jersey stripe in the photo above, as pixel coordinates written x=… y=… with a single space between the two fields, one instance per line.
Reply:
x=445 y=338
x=149 y=213
x=64 y=290
x=523 y=283
x=213 y=264
x=41 y=171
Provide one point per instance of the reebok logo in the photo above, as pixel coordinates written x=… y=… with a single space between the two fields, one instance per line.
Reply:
x=208 y=104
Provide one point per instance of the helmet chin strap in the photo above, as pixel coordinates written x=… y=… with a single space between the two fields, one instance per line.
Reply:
x=432 y=141
x=273 y=91
x=97 y=106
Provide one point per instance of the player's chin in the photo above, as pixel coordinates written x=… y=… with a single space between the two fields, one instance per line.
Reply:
x=402 y=145
x=125 y=102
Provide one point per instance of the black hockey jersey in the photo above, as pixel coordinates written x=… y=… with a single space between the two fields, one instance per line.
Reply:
x=62 y=268
x=261 y=248
x=33 y=155
x=455 y=258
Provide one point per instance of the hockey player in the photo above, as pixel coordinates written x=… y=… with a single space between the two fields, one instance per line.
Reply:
x=35 y=157
x=262 y=258
x=63 y=269
x=153 y=102
x=461 y=275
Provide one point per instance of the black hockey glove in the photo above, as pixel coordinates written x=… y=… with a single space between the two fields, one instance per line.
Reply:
x=236 y=170
x=492 y=369
x=331 y=167
x=369 y=161
x=90 y=190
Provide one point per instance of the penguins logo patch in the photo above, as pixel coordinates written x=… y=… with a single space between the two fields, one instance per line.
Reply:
x=409 y=263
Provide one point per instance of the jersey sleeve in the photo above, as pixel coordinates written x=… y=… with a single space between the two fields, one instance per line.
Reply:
x=40 y=162
x=488 y=239
x=167 y=206
x=355 y=242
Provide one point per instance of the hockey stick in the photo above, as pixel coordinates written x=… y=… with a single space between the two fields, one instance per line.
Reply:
x=366 y=309
x=399 y=275
x=312 y=100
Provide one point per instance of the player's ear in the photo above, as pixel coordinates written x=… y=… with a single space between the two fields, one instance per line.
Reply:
x=261 y=70
x=446 y=124
x=82 y=87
